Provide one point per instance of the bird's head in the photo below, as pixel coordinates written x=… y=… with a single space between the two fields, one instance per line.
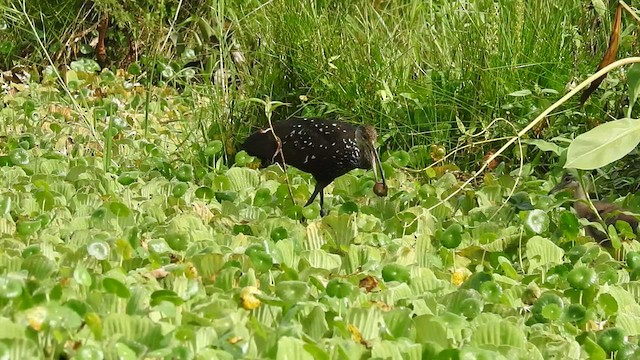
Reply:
x=570 y=183
x=366 y=136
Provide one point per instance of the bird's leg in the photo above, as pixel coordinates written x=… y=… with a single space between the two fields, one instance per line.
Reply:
x=313 y=196
x=320 y=185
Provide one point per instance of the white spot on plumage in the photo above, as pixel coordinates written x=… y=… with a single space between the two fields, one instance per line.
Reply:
x=313 y=157
x=306 y=159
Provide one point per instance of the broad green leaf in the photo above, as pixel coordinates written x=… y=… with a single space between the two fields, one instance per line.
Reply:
x=85 y=65
x=124 y=352
x=20 y=349
x=430 y=329
x=396 y=293
x=292 y=348
x=600 y=8
x=473 y=352
x=569 y=224
x=115 y=287
x=11 y=330
x=317 y=351
x=142 y=329
x=10 y=287
x=62 y=317
x=628 y=309
x=464 y=302
x=398 y=322
x=119 y=209
x=545 y=146
x=159 y=296
x=429 y=283
x=292 y=292
x=89 y=352
x=521 y=93
x=397 y=350
x=497 y=334
x=81 y=275
x=633 y=81
x=322 y=260
x=507 y=267
x=366 y=321
x=5 y=204
x=242 y=178
x=633 y=288
x=593 y=350
x=542 y=253
x=553 y=346
x=208 y=264
x=27 y=227
x=347 y=184
x=285 y=253
x=205 y=193
x=341 y=229
x=314 y=238
x=603 y=144
x=39 y=266
x=190 y=225
x=45 y=199
x=536 y=220
x=315 y=324
x=269 y=315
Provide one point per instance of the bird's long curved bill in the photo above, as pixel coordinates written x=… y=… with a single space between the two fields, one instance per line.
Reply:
x=378 y=164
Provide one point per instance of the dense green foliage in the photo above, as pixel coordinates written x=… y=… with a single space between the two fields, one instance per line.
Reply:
x=131 y=226
x=410 y=67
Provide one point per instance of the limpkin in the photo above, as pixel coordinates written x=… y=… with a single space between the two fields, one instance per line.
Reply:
x=610 y=213
x=325 y=148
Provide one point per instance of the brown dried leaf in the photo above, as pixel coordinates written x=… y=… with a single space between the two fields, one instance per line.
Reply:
x=381 y=305
x=101 y=49
x=368 y=283
x=609 y=56
x=357 y=336
x=494 y=163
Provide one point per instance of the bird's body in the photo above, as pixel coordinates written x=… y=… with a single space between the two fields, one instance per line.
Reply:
x=325 y=148
x=609 y=213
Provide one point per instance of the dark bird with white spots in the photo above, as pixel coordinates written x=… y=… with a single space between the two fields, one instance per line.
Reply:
x=325 y=148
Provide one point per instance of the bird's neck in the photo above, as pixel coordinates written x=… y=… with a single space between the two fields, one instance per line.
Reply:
x=581 y=203
x=579 y=194
x=366 y=162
